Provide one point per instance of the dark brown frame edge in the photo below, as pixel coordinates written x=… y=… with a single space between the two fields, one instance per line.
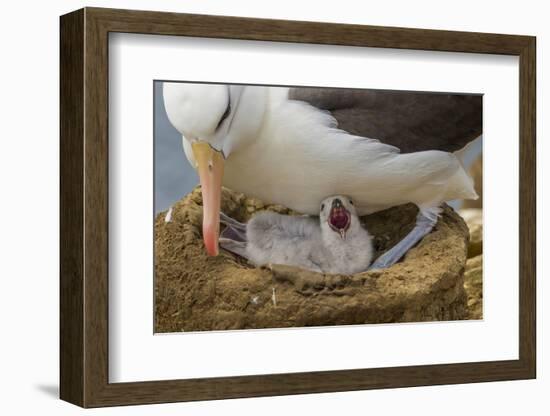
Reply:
x=84 y=207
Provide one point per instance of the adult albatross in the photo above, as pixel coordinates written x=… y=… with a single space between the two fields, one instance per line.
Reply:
x=296 y=146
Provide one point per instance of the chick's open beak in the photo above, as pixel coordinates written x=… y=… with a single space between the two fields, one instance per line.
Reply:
x=210 y=168
x=339 y=218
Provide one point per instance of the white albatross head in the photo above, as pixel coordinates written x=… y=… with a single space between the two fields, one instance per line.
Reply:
x=214 y=121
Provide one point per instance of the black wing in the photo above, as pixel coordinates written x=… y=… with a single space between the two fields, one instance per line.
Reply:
x=410 y=121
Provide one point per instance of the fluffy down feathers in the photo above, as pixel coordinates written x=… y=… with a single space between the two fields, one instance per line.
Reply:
x=302 y=241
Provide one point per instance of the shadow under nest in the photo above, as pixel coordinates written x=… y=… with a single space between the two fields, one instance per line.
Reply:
x=194 y=292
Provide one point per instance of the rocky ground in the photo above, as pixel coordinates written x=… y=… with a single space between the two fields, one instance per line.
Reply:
x=473 y=276
x=195 y=292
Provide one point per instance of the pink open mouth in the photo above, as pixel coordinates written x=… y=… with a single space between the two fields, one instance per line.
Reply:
x=339 y=219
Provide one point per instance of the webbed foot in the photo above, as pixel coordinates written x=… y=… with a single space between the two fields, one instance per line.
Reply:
x=425 y=222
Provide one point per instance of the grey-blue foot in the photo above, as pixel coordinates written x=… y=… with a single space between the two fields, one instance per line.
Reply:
x=234 y=230
x=227 y=220
x=423 y=226
x=233 y=236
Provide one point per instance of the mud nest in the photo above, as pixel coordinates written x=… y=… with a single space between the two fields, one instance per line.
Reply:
x=194 y=292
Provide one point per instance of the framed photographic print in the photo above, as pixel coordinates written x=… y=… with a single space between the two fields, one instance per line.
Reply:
x=256 y=207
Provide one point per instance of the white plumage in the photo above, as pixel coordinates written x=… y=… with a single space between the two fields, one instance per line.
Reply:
x=298 y=157
x=291 y=153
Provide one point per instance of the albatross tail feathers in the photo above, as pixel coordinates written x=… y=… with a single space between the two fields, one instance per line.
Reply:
x=466 y=152
x=463 y=185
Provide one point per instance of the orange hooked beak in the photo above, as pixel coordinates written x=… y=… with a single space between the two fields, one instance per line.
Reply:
x=210 y=168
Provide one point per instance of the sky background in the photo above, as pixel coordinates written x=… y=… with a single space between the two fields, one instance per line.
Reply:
x=174 y=175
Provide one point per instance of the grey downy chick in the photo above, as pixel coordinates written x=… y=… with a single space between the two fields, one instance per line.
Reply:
x=334 y=243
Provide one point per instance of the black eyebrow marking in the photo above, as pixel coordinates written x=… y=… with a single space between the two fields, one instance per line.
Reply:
x=226 y=112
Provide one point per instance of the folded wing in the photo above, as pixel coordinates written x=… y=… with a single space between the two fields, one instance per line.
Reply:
x=410 y=121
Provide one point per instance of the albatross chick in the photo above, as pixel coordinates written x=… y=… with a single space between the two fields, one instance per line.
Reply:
x=334 y=243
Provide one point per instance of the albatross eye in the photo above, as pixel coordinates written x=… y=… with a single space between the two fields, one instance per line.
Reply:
x=351 y=202
x=322 y=207
x=225 y=115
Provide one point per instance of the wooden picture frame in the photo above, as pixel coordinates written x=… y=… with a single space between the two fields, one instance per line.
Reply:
x=84 y=207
